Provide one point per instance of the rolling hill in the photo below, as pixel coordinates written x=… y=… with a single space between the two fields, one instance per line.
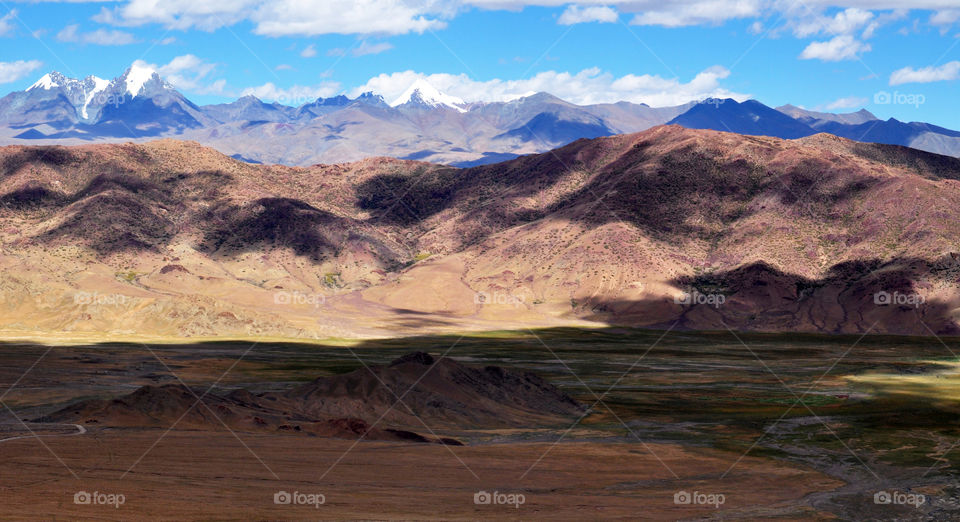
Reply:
x=651 y=229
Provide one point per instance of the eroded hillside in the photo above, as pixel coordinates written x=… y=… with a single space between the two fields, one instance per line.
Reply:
x=669 y=227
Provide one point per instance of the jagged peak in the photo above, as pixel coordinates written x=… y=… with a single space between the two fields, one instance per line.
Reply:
x=137 y=75
x=423 y=93
x=51 y=80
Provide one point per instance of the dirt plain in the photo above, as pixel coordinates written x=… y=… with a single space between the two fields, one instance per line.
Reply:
x=699 y=414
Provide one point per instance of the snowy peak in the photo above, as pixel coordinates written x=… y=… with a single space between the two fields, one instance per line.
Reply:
x=91 y=96
x=422 y=93
x=138 y=78
x=49 y=81
x=54 y=80
x=92 y=87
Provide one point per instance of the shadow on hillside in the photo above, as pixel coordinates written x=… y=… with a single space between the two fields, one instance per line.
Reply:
x=854 y=297
x=690 y=192
x=269 y=221
x=119 y=211
x=928 y=165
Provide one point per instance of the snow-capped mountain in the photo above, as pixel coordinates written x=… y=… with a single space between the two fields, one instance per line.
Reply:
x=421 y=124
x=138 y=103
x=90 y=95
x=141 y=103
x=422 y=94
x=78 y=93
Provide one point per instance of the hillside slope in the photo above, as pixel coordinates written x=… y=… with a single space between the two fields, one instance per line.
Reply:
x=169 y=238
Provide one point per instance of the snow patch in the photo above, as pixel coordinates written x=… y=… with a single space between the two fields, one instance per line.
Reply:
x=46 y=83
x=99 y=85
x=422 y=92
x=137 y=75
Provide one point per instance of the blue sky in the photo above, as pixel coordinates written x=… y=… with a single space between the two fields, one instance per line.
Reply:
x=897 y=59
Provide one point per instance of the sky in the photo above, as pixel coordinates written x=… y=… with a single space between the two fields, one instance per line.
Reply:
x=897 y=59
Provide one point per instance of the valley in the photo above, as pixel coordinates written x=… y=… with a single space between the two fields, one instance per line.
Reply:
x=786 y=426
x=536 y=260
x=681 y=323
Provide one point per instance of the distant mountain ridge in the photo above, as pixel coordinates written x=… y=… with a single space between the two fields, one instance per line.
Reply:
x=423 y=123
x=750 y=117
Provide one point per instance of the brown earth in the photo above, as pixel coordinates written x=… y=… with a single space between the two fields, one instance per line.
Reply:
x=171 y=239
x=442 y=392
x=365 y=403
x=226 y=478
x=177 y=406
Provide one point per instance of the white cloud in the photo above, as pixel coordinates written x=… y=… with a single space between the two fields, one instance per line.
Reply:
x=699 y=12
x=844 y=22
x=843 y=47
x=756 y=27
x=391 y=17
x=189 y=73
x=167 y=41
x=295 y=96
x=585 y=87
x=575 y=14
x=206 y=15
x=309 y=51
x=72 y=34
x=945 y=72
x=945 y=17
x=362 y=50
x=850 y=102
x=7 y=23
x=284 y=67
x=282 y=17
x=13 y=71
x=314 y=17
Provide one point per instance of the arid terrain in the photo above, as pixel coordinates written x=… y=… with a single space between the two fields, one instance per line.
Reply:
x=558 y=260
x=695 y=229
x=621 y=424
x=675 y=324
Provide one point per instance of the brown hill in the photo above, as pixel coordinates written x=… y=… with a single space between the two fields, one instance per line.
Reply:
x=375 y=401
x=170 y=238
x=440 y=391
x=176 y=405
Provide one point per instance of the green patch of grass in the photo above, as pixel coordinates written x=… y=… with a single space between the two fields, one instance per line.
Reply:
x=128 y=276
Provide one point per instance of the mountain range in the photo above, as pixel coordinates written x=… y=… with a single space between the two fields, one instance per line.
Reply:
x=670 y=227
x=421 y=124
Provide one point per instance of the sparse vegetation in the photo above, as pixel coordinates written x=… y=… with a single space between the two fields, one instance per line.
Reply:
x=128 y=276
